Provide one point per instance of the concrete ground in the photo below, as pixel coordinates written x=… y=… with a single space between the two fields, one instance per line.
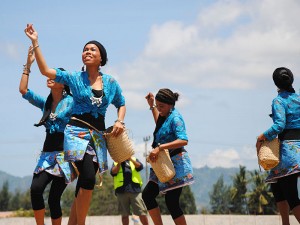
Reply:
x=191 y=220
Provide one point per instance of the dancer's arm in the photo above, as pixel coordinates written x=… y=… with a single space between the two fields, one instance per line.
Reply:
x=44 y=69
x=150 y=99
x=23 y=88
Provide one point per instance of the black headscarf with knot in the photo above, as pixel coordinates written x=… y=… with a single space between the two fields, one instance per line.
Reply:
x=165 y=95
x=102 y=50
x=283 y=79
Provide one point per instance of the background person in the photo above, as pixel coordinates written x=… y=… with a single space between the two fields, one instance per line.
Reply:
x=85 y=145
x=51 y=166
x=286 y=125
x=169 y=133
x=127 y=185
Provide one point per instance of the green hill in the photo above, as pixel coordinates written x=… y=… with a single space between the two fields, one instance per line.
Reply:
x=205 y=178
x=15 y=183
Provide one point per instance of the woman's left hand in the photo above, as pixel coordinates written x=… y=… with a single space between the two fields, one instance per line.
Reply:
x=30 y=56
x=260 y=139
x=153 y=156
x=118 y=128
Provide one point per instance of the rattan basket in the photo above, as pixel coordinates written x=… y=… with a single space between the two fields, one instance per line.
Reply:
x=268 y=155
x=163 y=166
x=120 y=148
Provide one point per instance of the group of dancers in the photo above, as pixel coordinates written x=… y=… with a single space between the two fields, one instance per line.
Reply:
x=75 y=146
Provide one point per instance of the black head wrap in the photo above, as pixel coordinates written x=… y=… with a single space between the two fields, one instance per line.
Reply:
x=48 y=103
x=101 y=49
x=165 y=95
x=283 y=79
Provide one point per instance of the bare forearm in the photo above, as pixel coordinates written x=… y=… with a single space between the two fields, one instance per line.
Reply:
x=121 y=113
x=155 y=114
x=174 y=144
x=23 y=88
x=24 y=84
x=43 y=67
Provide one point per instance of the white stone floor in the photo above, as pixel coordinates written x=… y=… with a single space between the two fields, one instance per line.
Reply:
x=167 y=220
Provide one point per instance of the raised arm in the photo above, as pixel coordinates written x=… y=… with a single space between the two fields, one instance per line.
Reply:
x=44 y=69
x=150 y=100
x=23 y=88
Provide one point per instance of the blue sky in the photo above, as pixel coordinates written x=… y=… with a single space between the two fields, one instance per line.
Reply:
x=219 y=56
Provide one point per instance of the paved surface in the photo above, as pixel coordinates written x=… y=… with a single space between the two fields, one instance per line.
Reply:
x=191 y=220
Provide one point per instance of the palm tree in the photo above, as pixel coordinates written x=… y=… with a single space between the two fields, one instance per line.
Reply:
x=260 y=199
x=238 y=201
x=220 y=197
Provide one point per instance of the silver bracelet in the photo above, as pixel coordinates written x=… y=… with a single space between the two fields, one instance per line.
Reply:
x=152 y=107
x=120 y=121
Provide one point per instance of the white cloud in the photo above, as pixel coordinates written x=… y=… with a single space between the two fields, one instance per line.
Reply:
x=11 y=50
x=224 y=158
x=230 y=45
x=227 y=158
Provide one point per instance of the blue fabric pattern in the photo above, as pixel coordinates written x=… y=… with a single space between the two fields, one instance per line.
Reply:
x=76 y=142
x=286 y=115
x=77 y=138
x=63 y=110
x=82 y=92
x=53 y=162
x=173 y=129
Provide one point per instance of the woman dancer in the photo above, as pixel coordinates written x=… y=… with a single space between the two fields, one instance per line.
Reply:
x=93 y=91
x=51 y=165
x=169 y=134
x=286 y=125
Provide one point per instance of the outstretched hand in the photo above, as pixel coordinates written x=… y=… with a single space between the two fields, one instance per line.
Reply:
x=150 y=99
x=31 y=33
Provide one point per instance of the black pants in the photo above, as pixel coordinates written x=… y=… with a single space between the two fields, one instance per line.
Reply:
x=87 y=170
x=151 y=191
x=286 y=189
x=38 y=185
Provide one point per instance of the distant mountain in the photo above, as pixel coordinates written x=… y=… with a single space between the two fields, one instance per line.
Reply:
x=205 y=178
x=15 y=183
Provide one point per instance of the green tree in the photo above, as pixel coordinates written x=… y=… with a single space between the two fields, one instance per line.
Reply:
x=260 y=198
x=220 y=197
x=4 y=197
x=25 y=200
x=238 y=201
x=14 y=203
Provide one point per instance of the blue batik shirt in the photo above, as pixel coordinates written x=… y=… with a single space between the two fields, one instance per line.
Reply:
x=62 y=112
x=82 y=92
x=285 y=114
x=172 y=129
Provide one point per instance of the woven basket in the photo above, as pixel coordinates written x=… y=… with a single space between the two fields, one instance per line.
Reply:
x=268 y=155
x=120 y=148
x=163 y=166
